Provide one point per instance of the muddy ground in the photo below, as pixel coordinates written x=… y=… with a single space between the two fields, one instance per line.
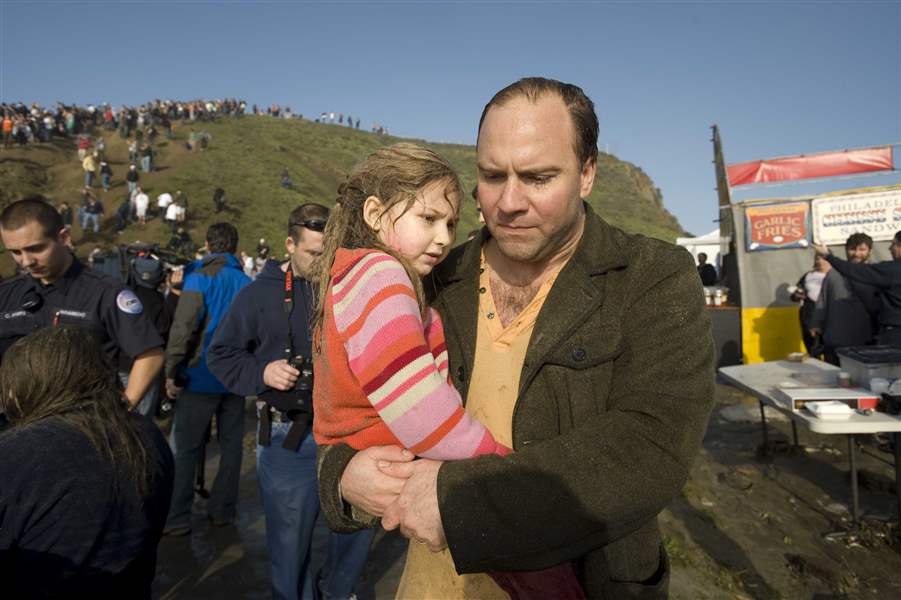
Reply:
x=747 y=525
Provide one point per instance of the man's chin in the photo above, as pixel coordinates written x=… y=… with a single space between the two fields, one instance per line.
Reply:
x=519 y=249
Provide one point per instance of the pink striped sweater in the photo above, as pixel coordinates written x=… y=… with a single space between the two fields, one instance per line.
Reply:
x=381 y=371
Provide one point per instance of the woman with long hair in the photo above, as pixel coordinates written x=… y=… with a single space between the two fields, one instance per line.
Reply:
x=84 y=485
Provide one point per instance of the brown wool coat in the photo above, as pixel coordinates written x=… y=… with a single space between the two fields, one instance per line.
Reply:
x=615 y=393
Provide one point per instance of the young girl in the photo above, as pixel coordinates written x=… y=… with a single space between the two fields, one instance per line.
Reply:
x=381 y=364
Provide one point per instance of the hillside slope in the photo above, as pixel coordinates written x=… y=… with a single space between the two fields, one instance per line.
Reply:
x=246 y=157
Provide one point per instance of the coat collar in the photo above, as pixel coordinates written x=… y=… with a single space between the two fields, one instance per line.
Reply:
x=579 y=290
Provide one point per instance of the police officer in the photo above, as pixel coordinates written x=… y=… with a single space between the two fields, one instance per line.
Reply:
x=55 y=288
x=259 y=350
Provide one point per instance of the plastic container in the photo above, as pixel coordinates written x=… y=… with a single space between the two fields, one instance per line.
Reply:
x=864 y=363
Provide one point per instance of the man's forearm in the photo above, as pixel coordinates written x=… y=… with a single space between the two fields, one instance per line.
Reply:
x=146 y=367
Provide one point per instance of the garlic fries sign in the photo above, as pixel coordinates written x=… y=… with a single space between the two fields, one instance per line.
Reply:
x=777 y=226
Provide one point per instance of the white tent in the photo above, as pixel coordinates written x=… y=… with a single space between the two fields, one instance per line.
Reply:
x=710 y=244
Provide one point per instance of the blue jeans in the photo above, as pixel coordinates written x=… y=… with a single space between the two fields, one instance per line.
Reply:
x=132 y=186
x=193 y=412
x=290 y=495
x=91 y=218
x=145 y=164
x=88 y=178
x=104 y=178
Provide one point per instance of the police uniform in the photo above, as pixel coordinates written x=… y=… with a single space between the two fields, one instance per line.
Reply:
x=81 y=297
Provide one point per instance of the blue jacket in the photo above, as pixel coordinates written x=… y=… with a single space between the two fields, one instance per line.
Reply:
x=209 y=288
x=253 y=332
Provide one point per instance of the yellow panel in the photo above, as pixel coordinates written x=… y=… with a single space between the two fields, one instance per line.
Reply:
x=769 y=333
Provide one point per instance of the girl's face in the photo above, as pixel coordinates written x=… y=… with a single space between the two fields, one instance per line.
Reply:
x=424 y=233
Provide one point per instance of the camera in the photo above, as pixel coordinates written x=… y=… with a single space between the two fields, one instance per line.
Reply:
x=305 y=379
x=298 y=398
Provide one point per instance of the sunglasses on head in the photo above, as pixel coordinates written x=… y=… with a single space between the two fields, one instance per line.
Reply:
x=311 y=224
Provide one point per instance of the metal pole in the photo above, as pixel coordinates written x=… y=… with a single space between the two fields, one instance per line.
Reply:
x=855 y=513
x=766 y=434
x=896 y=442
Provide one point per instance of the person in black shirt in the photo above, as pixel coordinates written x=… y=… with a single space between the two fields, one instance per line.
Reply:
x=56 y=289
x=85 y=485
x=885 y=277
x=705 y=271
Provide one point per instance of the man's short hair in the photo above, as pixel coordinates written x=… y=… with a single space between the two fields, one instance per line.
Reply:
x=31 y=209
x=702 y=255
x=856 y=239
x=580 y=107
x=897 y=238
x=222 y=237
x=307 y=216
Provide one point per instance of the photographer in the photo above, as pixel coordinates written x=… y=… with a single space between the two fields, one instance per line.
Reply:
x=262 y=347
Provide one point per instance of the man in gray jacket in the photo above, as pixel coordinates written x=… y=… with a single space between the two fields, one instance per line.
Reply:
x=608 y=402
x=844 y=310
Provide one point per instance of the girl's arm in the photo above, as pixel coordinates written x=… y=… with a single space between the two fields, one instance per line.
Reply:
x=379 y=322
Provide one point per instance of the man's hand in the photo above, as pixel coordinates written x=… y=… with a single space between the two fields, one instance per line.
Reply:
x=416 y=509
x=815 y=331
x=374 y=477
x=821 y=249
x=279 y=375
x=172 y=390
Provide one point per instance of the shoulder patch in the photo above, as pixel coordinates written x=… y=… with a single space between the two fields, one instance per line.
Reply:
x=129 y=303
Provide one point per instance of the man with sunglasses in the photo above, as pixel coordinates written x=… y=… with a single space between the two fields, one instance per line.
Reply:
x=259 y=350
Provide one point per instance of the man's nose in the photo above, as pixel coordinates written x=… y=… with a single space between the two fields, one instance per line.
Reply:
x=512 y=198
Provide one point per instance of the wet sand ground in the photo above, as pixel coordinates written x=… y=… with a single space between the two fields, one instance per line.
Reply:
x=745 y=527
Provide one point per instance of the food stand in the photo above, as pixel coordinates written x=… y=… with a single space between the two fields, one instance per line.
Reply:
x=771 y=239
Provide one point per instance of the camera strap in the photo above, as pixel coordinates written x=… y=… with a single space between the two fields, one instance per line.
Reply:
x=288 y=306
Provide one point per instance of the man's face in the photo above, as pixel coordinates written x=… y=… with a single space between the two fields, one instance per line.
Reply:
x=304 y=251
x=42 y=257
x=530 y=182
x=895 y=249
x=858 y=254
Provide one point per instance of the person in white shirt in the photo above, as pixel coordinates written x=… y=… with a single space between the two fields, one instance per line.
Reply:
x=163 y=201
x=141 y=201
x=172 y=215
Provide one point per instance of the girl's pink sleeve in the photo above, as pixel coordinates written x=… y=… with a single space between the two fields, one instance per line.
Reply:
x=379 y=322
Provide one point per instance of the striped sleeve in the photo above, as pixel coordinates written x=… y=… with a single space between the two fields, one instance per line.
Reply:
x=379 y=322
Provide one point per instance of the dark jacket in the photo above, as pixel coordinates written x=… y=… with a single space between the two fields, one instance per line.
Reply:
x=209 y=287
x=884 y=276
x=254 y=330
x=841 y=312
x=615 y=392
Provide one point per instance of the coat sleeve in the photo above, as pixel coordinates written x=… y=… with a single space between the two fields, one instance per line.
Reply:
x=611 y=473
x=188 y=319
x=879 y=275
x=230 y=355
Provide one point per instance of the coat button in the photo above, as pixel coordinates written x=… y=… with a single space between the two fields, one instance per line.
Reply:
x=460 y=373
x=579 y=354
x=482 y=290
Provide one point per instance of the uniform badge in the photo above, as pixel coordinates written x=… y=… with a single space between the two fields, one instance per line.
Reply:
x=129 y=303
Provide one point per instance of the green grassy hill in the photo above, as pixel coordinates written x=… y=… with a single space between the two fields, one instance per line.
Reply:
x=246 y=157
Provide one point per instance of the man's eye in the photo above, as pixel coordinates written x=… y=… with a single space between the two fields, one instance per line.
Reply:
x=429 y=218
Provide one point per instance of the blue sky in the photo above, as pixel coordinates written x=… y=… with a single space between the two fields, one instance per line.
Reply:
x=779 y=78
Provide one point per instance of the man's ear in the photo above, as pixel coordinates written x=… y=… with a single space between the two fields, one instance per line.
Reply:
x=589 y=170
x=65 y=237
x=289 y=244
x=373 y=209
